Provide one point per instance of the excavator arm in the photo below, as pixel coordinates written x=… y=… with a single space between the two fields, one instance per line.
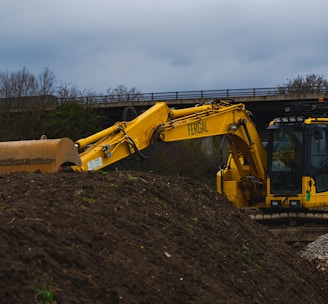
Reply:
x=243 y=180
x=164 y=124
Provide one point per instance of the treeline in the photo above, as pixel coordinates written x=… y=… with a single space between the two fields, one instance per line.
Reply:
x=310 y=83
x=25 y=98
x=24 y=102
x=67 y=120
x=23 y=83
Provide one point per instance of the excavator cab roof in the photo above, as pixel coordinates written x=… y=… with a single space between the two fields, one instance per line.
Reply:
x=307 y=108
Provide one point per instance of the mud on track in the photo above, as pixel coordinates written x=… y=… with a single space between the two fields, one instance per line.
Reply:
x=136 y=237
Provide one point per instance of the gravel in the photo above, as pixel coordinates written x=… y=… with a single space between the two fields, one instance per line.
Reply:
x=317 y=250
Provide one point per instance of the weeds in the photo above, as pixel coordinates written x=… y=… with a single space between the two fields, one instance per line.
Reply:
x=158 y=201
x=247 y=252
x=45 y=296
x=130 y=176
x=89 y=199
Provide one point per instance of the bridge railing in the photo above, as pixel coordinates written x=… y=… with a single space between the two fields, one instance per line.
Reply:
x=182 y=95
x=226 y=93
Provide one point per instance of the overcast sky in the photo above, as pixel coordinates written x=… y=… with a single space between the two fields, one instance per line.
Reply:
x=166 y=45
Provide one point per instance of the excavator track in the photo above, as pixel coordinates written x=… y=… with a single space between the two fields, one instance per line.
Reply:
x=290 y=216
x=294 y=228
x=298 y=235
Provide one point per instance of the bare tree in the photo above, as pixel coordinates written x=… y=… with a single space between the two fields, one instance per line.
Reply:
x=309 y=84
x=21 y=104
x=47 y=81
x=26 y=83
x=122 y=93
x=89 y=96
x=5 y=84
x=67 y=91
x=18 y=84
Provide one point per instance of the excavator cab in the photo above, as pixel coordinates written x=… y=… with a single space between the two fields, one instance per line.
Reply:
x=298 y=162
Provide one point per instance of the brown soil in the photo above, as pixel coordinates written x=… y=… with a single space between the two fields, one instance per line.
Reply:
x=131 y=237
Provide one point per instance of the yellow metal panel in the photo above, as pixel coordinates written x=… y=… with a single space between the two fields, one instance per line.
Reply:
x=37 y=155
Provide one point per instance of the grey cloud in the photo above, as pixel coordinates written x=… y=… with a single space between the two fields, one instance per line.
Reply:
x=166 y=45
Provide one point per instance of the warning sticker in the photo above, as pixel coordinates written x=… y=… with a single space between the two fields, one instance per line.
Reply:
x=94 y=164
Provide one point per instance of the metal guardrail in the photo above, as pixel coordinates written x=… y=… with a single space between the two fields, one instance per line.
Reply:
x=227 y=93
x=50 y=101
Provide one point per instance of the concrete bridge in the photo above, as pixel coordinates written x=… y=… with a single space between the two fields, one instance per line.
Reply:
x=264 y=103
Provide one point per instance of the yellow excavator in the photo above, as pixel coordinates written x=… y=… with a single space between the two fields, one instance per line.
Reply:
x=289 y=172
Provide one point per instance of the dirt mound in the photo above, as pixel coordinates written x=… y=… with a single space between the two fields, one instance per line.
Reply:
x=131 y=237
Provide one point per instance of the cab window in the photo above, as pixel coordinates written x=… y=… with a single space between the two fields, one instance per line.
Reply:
x=318 y=150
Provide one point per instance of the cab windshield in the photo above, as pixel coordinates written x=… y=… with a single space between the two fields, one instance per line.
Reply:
x=287 y=154
x=286 y=165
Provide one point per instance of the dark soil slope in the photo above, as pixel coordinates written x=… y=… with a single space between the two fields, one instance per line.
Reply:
x=131 y=237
